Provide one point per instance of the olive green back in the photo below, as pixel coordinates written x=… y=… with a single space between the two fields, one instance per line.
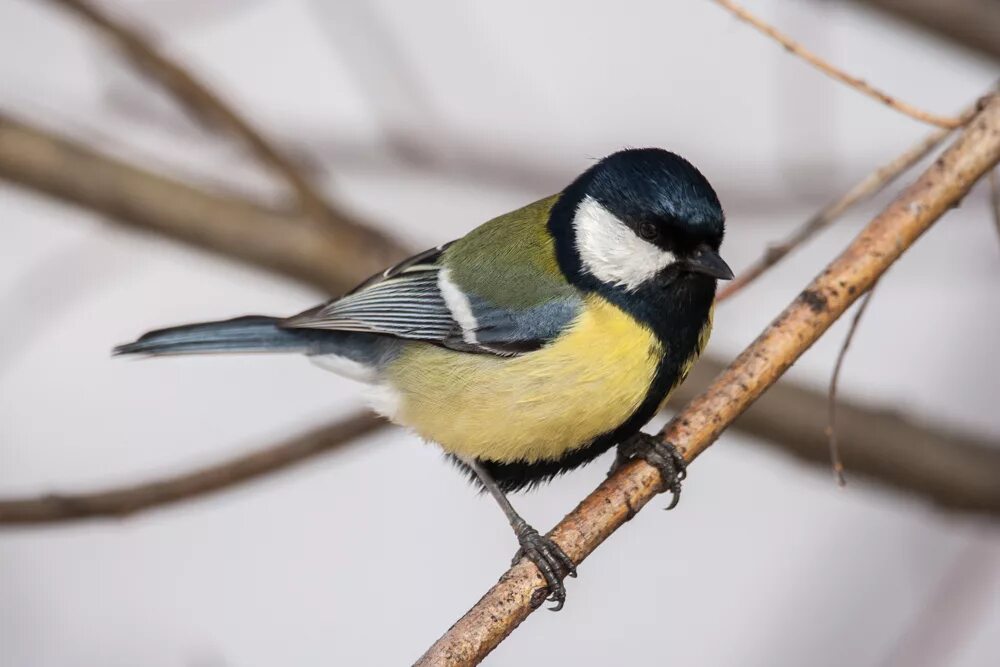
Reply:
x=510 y=260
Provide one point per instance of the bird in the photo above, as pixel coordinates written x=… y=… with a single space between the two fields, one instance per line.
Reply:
x=531 y=345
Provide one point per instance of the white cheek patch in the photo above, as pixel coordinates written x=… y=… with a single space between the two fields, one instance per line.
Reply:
x=611 y=251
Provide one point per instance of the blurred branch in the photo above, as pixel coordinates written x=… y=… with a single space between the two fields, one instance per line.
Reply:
x=860 y=85
x=522 y=589
x=128 y=500
x=949 y=469
x=205 y=105
x=465 y=160
x=285 y=243
x=972 y=23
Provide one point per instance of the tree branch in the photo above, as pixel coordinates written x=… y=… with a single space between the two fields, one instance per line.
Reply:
x=860 y=85
x=121 y=502
x=283 y=242
x=836 y=462
x=521 y=590
x=206 y=106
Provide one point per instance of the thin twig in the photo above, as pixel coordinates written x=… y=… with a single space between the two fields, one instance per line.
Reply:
x=127 y=500
x=522 y=589
x=207 y=106
x=860 y=85
x=865 y=189
x=831 y=426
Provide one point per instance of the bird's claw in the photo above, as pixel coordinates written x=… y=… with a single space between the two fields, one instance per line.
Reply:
x=663 y=456
x=549 y=558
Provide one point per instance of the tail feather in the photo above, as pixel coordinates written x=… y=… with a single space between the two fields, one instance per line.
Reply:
x=253 y=333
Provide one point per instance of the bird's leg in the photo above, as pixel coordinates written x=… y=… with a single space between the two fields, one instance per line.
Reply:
x=661 y=455
x=547 y=556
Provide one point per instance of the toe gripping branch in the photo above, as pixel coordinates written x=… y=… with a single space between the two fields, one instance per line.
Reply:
x=548 y=557
x=664 y=456
x=551 y=561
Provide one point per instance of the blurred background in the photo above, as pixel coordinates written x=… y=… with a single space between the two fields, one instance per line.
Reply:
x=425 y=119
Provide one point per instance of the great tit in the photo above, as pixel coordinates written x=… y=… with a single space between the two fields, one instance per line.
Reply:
x=534 y=343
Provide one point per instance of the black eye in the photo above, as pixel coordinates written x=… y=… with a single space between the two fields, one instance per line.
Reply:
x=648 y=231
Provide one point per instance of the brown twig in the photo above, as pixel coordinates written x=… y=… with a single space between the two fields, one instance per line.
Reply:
x=522 y=589
x=865 y=189
x=207 y=106
x=232 y=227
x=157 y=493
x=953 y=471
x=860 y=85
x=831 y=426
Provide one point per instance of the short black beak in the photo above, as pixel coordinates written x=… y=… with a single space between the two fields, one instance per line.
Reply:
x=706 y=261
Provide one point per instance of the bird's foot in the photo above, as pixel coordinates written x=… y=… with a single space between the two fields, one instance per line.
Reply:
x=548 y=557
x=663 y=456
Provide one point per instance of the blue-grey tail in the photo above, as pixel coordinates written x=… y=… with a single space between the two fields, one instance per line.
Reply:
x=253 y=333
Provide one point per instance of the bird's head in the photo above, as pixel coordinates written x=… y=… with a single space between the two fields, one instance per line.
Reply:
x=638 y=216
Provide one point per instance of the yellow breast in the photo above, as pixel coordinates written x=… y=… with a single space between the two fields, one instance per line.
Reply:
x=532 y=407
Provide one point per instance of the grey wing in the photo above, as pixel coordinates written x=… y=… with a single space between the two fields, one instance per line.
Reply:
x=508 y=332
x=417 y=300
x=425 y=259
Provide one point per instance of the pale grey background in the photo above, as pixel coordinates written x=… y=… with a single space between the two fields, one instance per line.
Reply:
x=365 y=557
